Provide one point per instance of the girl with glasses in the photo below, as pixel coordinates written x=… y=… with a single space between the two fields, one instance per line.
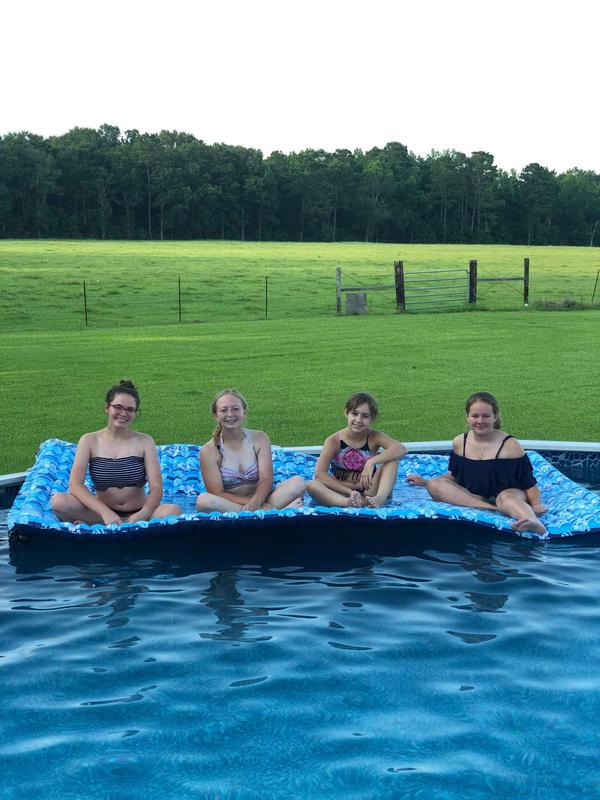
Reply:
x=121 y=462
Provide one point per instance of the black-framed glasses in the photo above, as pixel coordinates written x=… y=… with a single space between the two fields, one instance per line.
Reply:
x=119 y=408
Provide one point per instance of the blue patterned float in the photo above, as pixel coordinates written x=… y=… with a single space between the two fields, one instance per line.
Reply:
x=573 y=509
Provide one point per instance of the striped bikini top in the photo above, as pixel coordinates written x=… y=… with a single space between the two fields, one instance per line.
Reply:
x=233 y=478
x=115 y=473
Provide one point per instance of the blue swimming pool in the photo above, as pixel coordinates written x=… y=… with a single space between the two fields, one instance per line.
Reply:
x=434 y=664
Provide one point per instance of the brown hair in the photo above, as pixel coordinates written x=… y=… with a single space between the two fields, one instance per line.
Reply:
x=123 y=387
x=488 y=399
x=213 y=409
x=359 y=399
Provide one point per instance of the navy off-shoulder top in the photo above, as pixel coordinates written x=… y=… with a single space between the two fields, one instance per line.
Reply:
x=490 y=476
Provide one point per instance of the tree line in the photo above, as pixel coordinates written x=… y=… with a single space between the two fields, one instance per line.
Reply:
x=105 y=184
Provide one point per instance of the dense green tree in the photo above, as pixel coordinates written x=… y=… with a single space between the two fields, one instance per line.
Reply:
x=539 y=191
x=168 y=185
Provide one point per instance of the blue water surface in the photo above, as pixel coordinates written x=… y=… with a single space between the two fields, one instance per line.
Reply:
x=434 y=663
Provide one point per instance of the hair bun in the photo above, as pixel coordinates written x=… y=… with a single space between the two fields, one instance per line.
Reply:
x=129 y=384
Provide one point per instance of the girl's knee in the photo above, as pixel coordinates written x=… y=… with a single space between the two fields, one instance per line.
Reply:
x=435 y=487
x=58 y=502
x=314 y=485
x=510 y=494
x=206 y=502
x=298 y=485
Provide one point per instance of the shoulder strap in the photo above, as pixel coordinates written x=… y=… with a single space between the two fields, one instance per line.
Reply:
x=465 y=441
x=251 y=441
x=509 y=436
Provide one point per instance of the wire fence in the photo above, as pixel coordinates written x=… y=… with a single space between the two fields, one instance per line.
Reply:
x=35 y=302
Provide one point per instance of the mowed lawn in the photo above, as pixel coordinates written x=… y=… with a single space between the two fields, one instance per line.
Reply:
x=296 y=374
x=139 y=283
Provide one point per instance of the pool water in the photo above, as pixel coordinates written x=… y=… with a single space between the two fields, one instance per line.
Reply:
x=430 y=664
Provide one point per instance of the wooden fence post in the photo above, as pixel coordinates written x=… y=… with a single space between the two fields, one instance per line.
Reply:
x=338 y=290
x=526 y=282
x=399 y=281
x=473 y=282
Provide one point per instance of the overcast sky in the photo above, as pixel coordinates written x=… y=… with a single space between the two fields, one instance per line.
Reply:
x=518 y=79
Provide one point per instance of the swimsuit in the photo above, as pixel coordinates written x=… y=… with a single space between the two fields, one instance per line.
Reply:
x=349 y=463
x=234 y=478
x=109 y=473
x=488 y=477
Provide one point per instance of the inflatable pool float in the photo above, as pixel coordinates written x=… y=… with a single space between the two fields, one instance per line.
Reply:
x=573 y=509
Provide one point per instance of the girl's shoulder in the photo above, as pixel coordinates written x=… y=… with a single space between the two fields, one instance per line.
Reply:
x=209 y=448
x=143 y=439
x=334 y=439
x=91 y=440
x=257 y=438
x=458 y=443
x=511 y=447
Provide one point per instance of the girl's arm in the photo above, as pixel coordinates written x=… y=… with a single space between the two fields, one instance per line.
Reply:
x=392 y=450
x=331 y=446
x=534 y=498
x=416 y=480
x=264 y=487
x=155 y=484
x=514 y=449
x=211 y=474
x=77 y=485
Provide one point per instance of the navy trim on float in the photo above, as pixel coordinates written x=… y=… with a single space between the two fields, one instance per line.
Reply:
x=573 y=509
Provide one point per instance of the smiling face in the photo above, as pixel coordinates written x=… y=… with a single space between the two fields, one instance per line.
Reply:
x=481 y=417
x=230 y=411
x=121 y=410
x=359 y=419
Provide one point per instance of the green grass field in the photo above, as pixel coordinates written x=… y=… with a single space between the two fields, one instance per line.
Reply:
x=296 y=374
x=137 y=283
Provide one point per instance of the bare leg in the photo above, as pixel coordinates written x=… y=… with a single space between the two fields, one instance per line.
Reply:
x=288 y=494
x=166 y=510
x=512 y=502
x=383 y=484
x=445 y=490
x=326 y=496
x=212 y=502
x=69 y=509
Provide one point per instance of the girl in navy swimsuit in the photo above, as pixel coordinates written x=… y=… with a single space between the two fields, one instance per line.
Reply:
x=121 y=461
x=237 y=466
x=489 y=469
x=346 y=473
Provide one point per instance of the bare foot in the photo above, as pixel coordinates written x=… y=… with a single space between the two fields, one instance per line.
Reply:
x=526 y=524
x=376 y=501
x=416 y=480
x=357 y=500
x=297 y=503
